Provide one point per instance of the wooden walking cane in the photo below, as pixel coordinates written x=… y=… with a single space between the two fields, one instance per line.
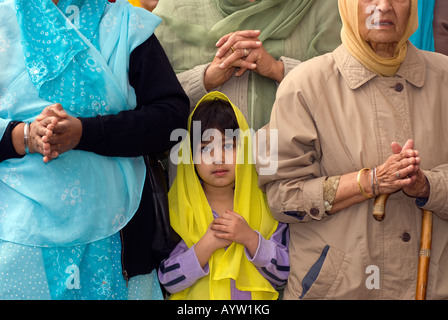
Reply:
x=424 y=255
x=379 y=213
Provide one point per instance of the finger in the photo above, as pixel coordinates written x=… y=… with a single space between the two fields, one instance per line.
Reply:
x=409 y=153
x=241 y=45
x=396 y=148
x=223 y=236
x=55 y=110
x=55 y=141
x=53 y=156
x=405 y=162
x=40 y=130
x=58 y=110
x=229 y=214
x=240 y=72
x=47 y=121
x=218 y=221
x=242 y=33
x=60 y=128
x=249 y=63
x=408 y=145
x=238 y=44
x=218 y=227
x=407 y=172
x=48 y=111
x=235 y=61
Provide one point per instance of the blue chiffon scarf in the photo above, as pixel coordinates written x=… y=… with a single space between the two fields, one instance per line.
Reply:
x=76 y=54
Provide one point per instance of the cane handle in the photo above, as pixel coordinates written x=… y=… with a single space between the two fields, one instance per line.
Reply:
x=379 y=207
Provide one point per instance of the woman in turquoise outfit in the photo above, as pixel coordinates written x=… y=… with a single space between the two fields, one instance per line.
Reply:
x=85 y=91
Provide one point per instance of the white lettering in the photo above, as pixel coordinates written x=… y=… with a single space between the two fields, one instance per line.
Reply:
x=373 y=280
x=74 y=17
x=373 y=21
x=72 y=281
x=181 y=152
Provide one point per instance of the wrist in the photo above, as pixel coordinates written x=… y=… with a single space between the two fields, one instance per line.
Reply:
x=26 y=137
x=251 y=243
x=210 y=78
x=17 y=136
x=277 y=72
x=426 y=189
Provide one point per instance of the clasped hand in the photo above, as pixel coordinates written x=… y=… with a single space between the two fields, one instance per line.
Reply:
x=241 y=51
x=232 y=227
x=54 y=132
x=402 y=171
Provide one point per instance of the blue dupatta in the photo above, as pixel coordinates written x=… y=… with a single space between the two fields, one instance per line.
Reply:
x=72 y=54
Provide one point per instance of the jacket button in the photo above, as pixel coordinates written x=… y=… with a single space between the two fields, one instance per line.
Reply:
x=405 y=237
x=399 y=87
x=314 y=211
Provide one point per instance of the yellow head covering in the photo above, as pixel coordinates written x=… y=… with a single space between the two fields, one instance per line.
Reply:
x=362 y=51
x=135 y=3
x=191 y=215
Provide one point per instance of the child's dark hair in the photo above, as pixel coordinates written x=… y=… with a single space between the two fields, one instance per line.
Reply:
x=215 y=114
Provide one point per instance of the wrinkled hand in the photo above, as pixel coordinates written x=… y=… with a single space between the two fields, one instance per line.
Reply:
x=248 y=54
x=420 y=185
x=400 y=170
x=38 y=130
x=59 y=132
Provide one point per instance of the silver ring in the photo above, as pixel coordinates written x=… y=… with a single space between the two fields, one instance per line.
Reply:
x=246 y=52
x=397 y=174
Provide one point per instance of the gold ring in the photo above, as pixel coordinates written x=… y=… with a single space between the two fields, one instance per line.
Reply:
x=233 y=49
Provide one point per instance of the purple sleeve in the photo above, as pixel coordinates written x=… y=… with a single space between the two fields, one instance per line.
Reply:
x=272 y=256
x=181 y=269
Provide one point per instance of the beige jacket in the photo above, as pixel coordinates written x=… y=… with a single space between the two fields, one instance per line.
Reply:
x=334 y=117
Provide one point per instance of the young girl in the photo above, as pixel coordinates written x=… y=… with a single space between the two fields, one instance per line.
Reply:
x=231 y=246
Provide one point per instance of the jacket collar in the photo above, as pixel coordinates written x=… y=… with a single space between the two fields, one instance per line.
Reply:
x=355 y=74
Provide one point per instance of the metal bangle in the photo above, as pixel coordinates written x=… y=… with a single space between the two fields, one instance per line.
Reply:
x=26 y=137
x=361 y=189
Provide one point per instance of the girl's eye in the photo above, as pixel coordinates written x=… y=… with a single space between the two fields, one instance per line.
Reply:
x=205 y=149
x=228 y=146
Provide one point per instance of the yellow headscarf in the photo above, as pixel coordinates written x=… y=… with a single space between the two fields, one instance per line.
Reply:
x=361 y=50
x=135 y=3
x=191 y=215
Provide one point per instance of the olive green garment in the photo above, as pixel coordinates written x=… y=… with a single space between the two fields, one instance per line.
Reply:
x=299 y=29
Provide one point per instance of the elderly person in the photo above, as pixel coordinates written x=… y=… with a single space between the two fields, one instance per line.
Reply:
x=349 y=125
x=85 y=91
